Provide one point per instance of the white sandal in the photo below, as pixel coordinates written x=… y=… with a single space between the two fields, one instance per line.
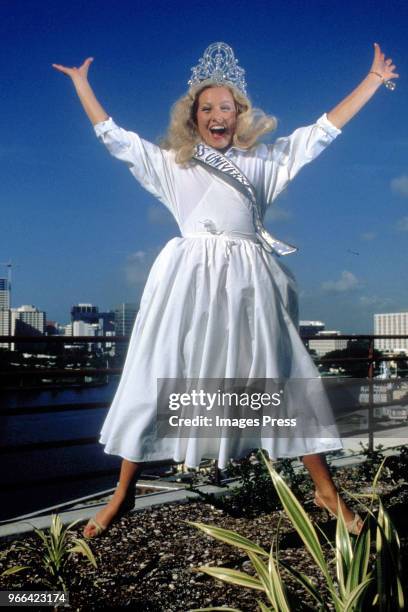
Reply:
x=99 y=528
x=354 y=526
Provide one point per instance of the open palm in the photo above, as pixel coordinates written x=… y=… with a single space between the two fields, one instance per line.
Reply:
x=81 y=72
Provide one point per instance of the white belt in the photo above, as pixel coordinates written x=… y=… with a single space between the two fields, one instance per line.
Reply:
x=227 y=235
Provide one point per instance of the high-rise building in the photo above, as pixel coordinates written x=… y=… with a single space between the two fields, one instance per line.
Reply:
x=323 y=346
x=4 y=293
x=80 y=328
x=5 y=325
x=27 y=320
x=88 y=313
x=391 y=323
x=85 y=312
x=310 y=328
x=5 y=317
x=125 y=315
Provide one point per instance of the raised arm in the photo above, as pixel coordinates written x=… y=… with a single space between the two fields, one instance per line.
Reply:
x=79 y=77
x=381 y=70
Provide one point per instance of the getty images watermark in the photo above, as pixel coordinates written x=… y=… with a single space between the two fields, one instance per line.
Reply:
x=289 y=408
x=214 y=401
x=257 y=407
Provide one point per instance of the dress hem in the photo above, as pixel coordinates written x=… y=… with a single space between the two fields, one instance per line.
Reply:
x=161 y=458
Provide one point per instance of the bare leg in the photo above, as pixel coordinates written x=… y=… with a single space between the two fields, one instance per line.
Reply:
x=325 y=487
x=129 y=473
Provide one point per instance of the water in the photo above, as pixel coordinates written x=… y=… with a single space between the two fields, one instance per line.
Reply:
x=25 y=467
x=28 y=398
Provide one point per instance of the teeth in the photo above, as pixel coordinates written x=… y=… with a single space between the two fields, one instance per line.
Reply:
x=217 y=129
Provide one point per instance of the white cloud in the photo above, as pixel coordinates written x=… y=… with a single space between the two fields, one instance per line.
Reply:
x=159 y=215
x=368 y=236
x=402 y=225
x=137 y=256
x=346 y=282
x=138 y=265
x=375 y=301
x=399 y=185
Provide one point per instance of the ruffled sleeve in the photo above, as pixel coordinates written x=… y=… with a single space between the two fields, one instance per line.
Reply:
x=289 y=154
x=150 y=165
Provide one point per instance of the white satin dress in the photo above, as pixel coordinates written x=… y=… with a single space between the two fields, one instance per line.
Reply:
x=215 y=304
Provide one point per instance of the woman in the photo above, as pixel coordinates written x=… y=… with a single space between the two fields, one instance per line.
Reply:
x=217 y=303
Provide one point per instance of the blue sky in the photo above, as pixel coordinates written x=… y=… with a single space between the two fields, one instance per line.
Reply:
x=79 y=228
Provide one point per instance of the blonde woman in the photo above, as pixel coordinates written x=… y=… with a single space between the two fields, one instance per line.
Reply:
x=218 y=303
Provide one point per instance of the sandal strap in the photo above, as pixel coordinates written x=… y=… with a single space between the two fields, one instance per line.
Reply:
x=352 y=526
x=99 y=528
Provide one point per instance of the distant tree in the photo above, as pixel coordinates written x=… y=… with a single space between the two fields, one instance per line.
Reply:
x=356 y=350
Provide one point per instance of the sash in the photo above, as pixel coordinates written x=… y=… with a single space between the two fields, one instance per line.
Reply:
x=231 y=174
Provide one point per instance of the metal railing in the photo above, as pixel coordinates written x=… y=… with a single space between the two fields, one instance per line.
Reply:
x=48 y=373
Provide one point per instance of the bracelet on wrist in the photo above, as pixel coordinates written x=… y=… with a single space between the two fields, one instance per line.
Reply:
x=388 y=84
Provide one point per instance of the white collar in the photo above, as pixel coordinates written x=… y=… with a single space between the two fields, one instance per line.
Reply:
x=232 y=147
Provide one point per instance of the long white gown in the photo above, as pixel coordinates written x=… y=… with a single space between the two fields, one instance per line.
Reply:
x=215 y=304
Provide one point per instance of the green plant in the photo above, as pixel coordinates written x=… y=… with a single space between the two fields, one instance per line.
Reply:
x=255 y=493
x=55 y=550
x=373 y=460
x=398 y=464
x=294 y=479
x=388 y=593
x=356 y=586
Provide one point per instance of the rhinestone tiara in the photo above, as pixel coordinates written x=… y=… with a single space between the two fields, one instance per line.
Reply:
x=219 y=64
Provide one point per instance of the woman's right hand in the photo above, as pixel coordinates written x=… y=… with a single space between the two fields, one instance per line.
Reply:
x=79 y=76
x=80 y=73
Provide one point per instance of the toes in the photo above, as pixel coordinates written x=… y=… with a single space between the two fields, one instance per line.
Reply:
x=88 y=532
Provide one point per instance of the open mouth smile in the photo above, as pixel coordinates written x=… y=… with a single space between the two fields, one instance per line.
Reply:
x=218 y=130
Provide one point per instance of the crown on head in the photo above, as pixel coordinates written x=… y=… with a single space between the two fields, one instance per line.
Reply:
x=219 y=64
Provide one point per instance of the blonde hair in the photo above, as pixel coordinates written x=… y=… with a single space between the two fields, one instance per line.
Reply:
x=182 y=134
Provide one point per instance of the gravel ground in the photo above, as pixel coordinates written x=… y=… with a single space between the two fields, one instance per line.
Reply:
x=146 y=560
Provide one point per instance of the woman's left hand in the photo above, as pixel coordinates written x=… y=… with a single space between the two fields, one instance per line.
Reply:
x=382 y=66
x=384 y=72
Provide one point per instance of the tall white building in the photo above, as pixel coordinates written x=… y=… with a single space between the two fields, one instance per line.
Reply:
x=323 y=346
x=66 y=330
x=5 y=325
x=391 y=323
x=80 y=328
x=26 y=320
x=5 y=319
x=4 y=293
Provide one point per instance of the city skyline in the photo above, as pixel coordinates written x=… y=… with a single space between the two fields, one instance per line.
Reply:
x=387 y=325
x=80 y=229
x=6 y=302
x=81 y=311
